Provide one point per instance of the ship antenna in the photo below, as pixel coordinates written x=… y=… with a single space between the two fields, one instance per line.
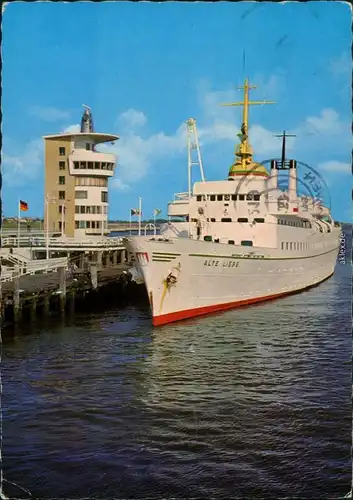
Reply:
x=245 y=150
x=283 y=158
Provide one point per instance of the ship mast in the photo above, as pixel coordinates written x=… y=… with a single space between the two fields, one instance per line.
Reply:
x=283 y=157
x=193 y=144
x=244 y=150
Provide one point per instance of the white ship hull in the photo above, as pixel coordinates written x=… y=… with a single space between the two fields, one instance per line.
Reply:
x=206 y=277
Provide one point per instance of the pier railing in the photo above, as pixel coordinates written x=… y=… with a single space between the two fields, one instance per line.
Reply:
x=33 y=267
x=65 y=243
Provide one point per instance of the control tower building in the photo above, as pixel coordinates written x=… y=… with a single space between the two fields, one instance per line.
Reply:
x=76 y=181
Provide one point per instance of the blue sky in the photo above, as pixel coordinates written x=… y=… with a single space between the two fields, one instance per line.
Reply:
x=144 y=68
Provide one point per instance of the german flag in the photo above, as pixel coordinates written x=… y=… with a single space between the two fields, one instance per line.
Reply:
x=23 y=206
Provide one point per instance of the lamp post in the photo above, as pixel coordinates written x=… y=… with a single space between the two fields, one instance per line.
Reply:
x=47 y=199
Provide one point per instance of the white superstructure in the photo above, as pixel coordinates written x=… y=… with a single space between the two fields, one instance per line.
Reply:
x=239 y=241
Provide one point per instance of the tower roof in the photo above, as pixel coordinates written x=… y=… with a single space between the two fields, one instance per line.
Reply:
x=93 y=136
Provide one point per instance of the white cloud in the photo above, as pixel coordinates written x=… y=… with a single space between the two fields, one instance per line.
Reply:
x=342 y=65
x=74 y=129
x=327 y=122
x=119 y=185
x=334 y=166
x=132 y=119
x=18 y=169
x=136 y=155
x=49 y=114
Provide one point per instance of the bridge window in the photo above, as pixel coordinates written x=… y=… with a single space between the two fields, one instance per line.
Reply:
x=259 y=219
x=226 y=219
x=234 y=197
x=198 y=198
x=207 y=238
x=246 y=243
x=90 y=165
x=82 y=164
x=231 y=242
x=213 y=219
x=242 y=197
x=97 y=165
x=219 y=197
x=242 y=219
x=226 y=197
x=256 y=197
x=76 y=165
x=213 y=197
x=287 y=245
x=282 y=245
x=249 y=197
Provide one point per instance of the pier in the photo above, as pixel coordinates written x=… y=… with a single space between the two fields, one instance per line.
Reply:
x=76 y=272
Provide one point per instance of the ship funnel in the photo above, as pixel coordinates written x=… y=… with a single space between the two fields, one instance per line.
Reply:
x=87 y=120
x=273 y=179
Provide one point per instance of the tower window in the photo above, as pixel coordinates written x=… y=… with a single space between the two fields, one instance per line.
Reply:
x=61 y=195
x=61 y=151
x=62 y=179
x=81 y=195
x=61 y=165
x=104 y=195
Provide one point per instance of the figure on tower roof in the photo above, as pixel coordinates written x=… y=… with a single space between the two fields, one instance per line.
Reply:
x=87 y=120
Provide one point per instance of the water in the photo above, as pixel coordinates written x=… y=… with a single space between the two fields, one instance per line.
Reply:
x=255 y=403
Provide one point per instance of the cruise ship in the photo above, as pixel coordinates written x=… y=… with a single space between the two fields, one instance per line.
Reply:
x=237 y=241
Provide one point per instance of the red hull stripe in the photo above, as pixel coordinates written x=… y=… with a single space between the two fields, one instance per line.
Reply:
x=201 y=311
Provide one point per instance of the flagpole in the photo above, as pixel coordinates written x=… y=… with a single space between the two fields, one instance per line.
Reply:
x=140 y=213
x=130 y=221
x=18 y=224
x=154 y=222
